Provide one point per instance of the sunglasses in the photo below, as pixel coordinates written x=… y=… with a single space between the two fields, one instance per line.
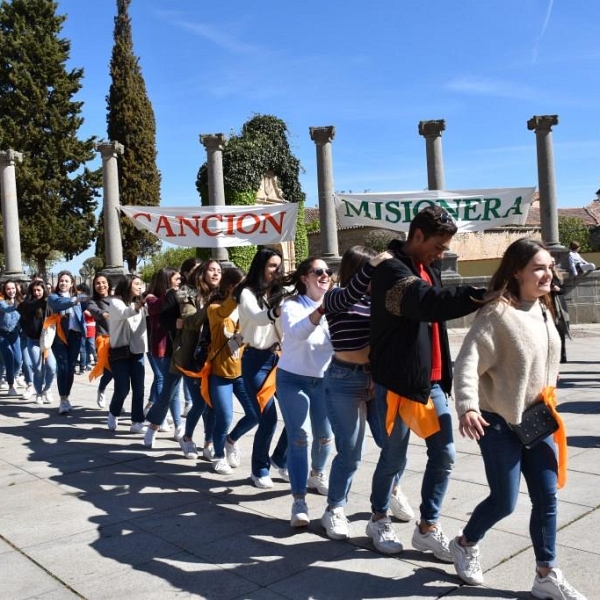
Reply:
x=319 y=272
x=446 y=218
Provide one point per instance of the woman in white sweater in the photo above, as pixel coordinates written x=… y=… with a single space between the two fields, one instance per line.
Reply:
x=509 y=355
x=128 y=345
x=305 y=355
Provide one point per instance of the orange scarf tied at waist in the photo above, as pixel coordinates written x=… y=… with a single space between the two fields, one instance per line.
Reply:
x=548 y=396
x=421 y=419
x=103 y=362
x=204 y=389
x=55 y=319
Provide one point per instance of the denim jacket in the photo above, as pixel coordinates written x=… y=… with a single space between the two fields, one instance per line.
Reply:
x=70 y=311
x=9 y=317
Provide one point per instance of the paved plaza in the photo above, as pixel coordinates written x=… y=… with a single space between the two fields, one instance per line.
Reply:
x=88 y=513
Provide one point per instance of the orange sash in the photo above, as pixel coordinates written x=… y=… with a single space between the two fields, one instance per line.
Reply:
x=419 y=418
x=54 y=319
x=204 y=389
x=193 y=374
x=102 y=346
x=548 y=396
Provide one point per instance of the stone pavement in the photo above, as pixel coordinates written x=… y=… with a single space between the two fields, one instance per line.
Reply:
x=87 y=513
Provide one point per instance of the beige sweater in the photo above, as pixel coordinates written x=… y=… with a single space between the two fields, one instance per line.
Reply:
x=509 y=355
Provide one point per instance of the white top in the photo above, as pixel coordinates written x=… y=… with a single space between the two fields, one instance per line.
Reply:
x=257 y=330
x=508 y=356
x=306 y=349
x=127 y=326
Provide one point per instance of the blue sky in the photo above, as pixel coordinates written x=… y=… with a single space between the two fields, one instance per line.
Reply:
x=373 y=70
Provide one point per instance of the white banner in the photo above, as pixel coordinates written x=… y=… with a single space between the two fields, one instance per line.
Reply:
x=217 y=226
x=471 y=210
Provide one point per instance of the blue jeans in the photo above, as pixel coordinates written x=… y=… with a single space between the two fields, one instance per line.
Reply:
x=10 y=346
x=156 y=380
x=300 y=398
x=162 y=365
x=221 y=396
x=26 y=367
x=440 y=460
x=505 y=459
x=44 y=370
x=350 y=405
x=256 y=365
x=129 y=374
x=66 y=359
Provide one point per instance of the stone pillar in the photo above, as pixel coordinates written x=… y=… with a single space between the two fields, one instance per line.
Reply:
x=542 y=125
x=214 y=144
x=113 y=243
x=322 y=137
x=432 y=132
x=13 y=268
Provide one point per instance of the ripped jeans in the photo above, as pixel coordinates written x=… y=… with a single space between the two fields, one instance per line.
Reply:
x=301 y=399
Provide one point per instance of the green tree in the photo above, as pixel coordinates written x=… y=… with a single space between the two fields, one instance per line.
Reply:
x=90 y=267
x=574 y=228
x=171 y=257
x=131 y=121
x=262 y=147
x=38 y=117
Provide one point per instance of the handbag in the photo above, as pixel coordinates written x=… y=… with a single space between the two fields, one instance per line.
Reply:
x=538 y=422
x=119 y=353
x=48 y=332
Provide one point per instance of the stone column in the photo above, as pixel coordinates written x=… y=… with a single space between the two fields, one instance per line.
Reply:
x=542 y=125
x=113 y=244
x=214 y=144
x=322 y=137
x=432 y=132
x=13 y=267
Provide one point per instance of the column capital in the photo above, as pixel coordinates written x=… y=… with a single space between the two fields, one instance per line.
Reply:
x=10 y=157
x=110 y=149
x=213 y=141
x=542 y=122
x=432 y=128
x=322 y=135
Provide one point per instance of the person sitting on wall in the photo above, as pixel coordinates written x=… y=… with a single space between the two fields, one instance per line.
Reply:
x=577 y=264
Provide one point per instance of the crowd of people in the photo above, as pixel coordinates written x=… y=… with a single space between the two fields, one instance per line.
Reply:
x=370 y=349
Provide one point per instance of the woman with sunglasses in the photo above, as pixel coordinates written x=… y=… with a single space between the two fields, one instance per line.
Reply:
x=305 y=354
x=259 y=297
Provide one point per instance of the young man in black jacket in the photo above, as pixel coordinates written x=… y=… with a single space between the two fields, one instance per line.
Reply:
x=410 y=355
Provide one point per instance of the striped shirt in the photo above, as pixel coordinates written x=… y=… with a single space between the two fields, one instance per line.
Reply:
x=348 y=312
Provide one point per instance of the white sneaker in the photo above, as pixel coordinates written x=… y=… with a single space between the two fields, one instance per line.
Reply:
x=262 y=482
x=169 y=419
x=189 y=449
x=28 y=392
x=3 y=385
x=13 y=392
x=164 y=426
x=555 y=587
x=39 y=399
x=435 y=541
x=233 y=455
x=149 y=437
x=208 y=453
x=400 y=507
x=48 y=398
x=221 y=466
x=335 y=523
x=64 y=407
x=383 y=535
x=319 y=481
x=111 y=421
x=179 y=432
x=20 y=381
x=100 y=399
x=138 y=427
x=466 y=562
x=299 y=514
x=283 y=472
x=186 y=410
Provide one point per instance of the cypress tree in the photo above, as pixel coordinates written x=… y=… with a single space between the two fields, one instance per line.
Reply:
x=131 y=121
x=38 y=116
